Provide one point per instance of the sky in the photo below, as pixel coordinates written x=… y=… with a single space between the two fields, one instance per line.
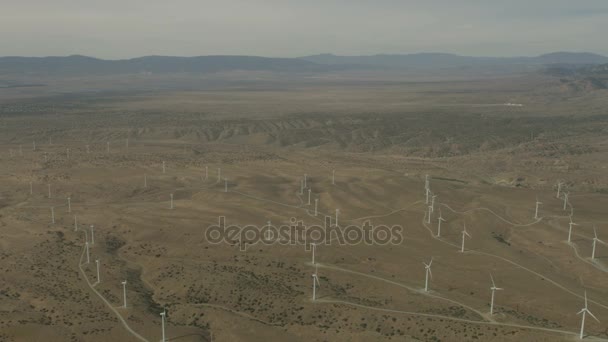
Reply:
x=117 y=29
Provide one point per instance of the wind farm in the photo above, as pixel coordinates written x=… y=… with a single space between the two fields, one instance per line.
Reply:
x=110 y=241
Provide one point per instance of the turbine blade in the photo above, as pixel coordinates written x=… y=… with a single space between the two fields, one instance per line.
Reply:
x=493 y=284
x=592 y=315
x=430 y=273
x=580 y=312
x=430 y=263
x=585 y=299
x=595 y=232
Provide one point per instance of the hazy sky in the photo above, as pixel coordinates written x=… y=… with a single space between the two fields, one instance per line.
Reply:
x=130 y=28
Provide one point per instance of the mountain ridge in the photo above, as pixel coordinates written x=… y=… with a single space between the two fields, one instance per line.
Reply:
x=80 y=64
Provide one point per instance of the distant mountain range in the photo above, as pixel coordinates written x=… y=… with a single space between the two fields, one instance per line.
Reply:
x=446 y=60
x=82 y=65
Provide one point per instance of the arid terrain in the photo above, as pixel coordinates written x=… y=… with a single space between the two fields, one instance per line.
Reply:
x=492 y=146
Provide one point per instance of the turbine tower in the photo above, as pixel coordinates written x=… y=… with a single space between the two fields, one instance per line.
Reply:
x=124 y=294
x=570 y=229
x=98 y=278
x=315 y=283
x=464 y=233
x=494 y=289
x=428 y=272
x=86 y=246
x=337 y=213
x=162 y=319
x=536 y=211
x=595 y=241
x=585 y=311
x=439 y=219
x=92 y=235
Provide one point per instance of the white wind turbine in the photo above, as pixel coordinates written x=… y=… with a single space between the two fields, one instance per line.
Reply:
x=559 y=189
x=124 y=294
x=98 y=278
x=162 y=318
x=585 y=311
x=428 y=273
x=315 y=283
x=494 y=289
x=570 y=229
x=595 y=241
x=464 y=233
x=439 y=219
x=337 y=213
x=428 y=217
x=536 y=210
x=86 y=246
x=565 y=199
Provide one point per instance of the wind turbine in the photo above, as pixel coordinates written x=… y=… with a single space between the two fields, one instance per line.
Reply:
x=433 y=203
x=337 y=213
x=92 y=235
x=595 y=241
x=315 y=283
x=439 y=219
x=428 y=217
x=494 y=289
x=464 y=233
x=565 y=199
x=124 y=294
x=162 y=318
x=585 y=311
x=536 y=211
x=570 y=229
x=559 y=189
x=86 y=246
x=428 y=272
x=98 y=278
